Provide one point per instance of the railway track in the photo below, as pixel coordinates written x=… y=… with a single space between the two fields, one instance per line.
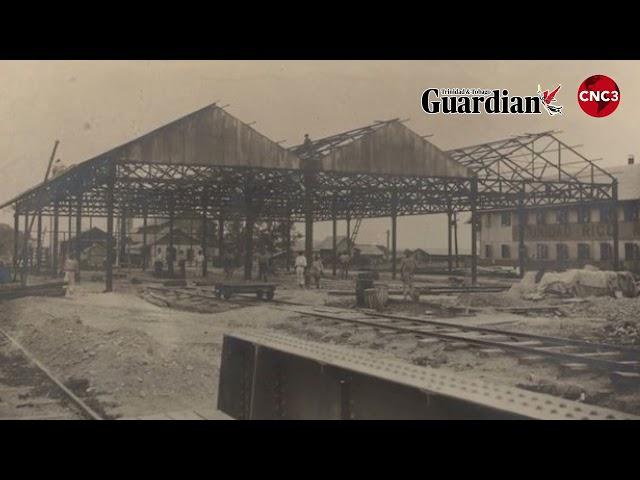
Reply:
x=29 y=391
x=576 y=355
x=622 y=363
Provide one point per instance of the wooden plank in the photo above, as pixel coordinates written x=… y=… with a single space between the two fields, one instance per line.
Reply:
x=526 y=343
x=598 y=354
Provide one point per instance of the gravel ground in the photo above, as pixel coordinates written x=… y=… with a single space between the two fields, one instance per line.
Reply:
x=133 y=358
x=136 y=358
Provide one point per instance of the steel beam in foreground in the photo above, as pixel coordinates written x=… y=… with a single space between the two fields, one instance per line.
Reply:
x=271 y=376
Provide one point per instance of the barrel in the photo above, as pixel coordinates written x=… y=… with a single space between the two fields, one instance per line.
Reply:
x=364 y=281
x=377 y=297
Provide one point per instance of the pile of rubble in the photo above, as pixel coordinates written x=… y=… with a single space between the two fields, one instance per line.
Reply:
x=609 y=308
x=623 y=332
x=585 y=282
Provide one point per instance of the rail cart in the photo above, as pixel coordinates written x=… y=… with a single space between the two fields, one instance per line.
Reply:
x=262 y=290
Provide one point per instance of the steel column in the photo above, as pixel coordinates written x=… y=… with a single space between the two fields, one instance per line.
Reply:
x=109 y=200
x=145 y=254
x=394 y=232
x=521 y=227
x=349 y=235
x=474 y=221
x=25 y=248
x=248 y=230
x=248 y=247
x=334 y=243
x=39 y=243
x=123 y=237
x=54 y=260
x=287 y=239
x=221 y=238
x=309 y=184
x=449 y=242
x=204 y=241
x=171 y=257
x=78 y=230
x=16 y=240
x=67 y=252
x=614 y=217
x=455 y=238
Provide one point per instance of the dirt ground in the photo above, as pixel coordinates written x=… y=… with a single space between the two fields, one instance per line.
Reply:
x=134 y=358
x=131 y=357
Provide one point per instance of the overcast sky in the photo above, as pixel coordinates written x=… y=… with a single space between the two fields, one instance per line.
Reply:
x=92 y=106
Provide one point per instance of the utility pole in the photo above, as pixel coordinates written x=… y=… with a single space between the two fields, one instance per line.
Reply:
x=39 y=216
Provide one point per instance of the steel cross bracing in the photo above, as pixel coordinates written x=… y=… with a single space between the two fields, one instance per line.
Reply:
x=277 y=193
x=520 y=167
x=317 y=149
x=539 y=156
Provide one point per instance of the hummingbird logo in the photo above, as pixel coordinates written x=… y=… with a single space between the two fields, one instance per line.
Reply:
x=548 y=98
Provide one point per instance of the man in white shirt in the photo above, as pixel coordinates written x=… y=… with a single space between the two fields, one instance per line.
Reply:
x=71 y=268
x=301 y=264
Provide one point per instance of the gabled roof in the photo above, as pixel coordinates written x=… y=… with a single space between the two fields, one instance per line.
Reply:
x=387 y=147
x=179 y=238
x=153 y=229
x=86 y=237
x=327 y=243
x=369 y=250
x=209 y=136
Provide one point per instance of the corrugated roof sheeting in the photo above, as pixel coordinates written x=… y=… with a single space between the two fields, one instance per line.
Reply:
x=209 y=136
x=393 y=149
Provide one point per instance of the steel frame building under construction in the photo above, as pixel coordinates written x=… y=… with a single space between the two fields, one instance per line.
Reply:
x=218 y=168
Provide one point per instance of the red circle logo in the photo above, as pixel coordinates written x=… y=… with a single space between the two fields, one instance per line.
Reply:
x=599 y=96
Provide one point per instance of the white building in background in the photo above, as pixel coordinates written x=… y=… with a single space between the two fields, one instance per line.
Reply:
x=568 y=236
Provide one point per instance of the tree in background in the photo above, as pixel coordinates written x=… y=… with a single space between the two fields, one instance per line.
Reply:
x=269 y=235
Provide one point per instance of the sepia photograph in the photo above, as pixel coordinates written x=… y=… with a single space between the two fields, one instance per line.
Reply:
x=319 y=240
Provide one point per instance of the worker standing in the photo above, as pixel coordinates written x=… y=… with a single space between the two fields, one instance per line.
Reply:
x=307 y=142
x=228 y=265
x=199 y=259
x=316 y=270
x=71 y=269
x=407 y=269
x=345 y=260
x=301 y=265
x=263 y=265
x=170 y=257
x=58 y=168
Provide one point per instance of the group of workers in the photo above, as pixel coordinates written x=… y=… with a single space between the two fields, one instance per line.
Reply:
x=315 y=270
x=408 y=267
x=304 y=272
